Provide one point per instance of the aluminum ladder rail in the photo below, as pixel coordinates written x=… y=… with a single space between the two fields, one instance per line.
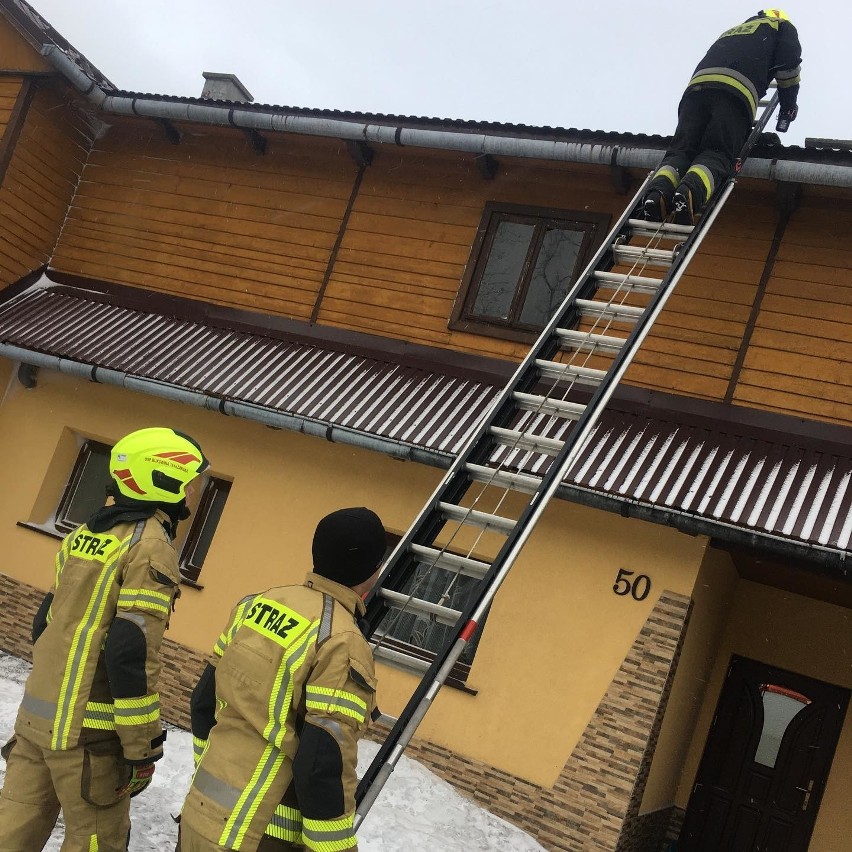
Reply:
x=510 y=433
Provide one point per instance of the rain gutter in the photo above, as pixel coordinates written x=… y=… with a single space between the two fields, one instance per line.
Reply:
x=832 y=560
x=248 y=411
x=271 y=120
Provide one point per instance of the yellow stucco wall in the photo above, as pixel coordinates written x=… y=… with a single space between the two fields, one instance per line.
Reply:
x=803 y=635
x=554 y=638
x=712 y=597
x=6 y=374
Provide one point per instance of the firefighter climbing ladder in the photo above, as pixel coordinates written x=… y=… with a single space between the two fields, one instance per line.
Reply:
x=522 y=449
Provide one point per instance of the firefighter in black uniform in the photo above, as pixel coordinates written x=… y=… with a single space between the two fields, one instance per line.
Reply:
x=718 y=108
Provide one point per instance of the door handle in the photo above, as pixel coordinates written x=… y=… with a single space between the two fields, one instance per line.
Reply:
x=807 y=791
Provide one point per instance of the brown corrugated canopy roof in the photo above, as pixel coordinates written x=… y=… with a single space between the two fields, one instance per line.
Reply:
x=724 y=476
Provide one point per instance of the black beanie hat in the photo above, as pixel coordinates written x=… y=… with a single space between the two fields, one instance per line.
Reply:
x=348 y=545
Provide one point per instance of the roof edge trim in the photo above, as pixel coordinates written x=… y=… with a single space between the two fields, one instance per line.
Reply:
x=226 y=114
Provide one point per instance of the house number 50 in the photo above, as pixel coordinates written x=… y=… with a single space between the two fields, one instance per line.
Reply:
x=638 y=588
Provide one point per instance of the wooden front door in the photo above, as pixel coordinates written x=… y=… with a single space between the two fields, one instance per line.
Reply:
x=765 y=763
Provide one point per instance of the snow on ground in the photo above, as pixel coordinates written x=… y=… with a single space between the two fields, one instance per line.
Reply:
x=415 y=812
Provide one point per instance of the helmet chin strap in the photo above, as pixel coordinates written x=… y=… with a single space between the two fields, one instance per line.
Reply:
x=126 y=510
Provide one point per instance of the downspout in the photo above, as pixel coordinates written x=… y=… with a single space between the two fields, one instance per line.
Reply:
x=474 y=143
x=831 y=560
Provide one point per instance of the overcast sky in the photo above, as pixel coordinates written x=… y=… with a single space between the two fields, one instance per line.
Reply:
x=616 y=66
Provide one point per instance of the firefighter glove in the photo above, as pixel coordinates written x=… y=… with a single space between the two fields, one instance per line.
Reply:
x=785 y=117
x=140 y=778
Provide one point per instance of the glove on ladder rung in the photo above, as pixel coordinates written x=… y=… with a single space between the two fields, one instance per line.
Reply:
x=442 y=614
x=503 y=478
x=551 y=407
x=572 y=373
x=586 y=342
x=660 y=230
x=432 y=556
x=524 y=441
x=627 y=283
x=471 y=517
x=617 y=313
x=629 y=255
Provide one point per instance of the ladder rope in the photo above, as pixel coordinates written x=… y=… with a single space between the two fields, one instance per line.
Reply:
x=527 y=442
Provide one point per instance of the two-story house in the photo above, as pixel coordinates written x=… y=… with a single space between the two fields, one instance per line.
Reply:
x=329 y=301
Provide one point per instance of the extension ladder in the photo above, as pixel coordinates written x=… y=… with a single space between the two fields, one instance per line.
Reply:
x=521 y=450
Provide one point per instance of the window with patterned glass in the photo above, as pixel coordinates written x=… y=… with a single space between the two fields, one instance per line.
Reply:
x=780 y=707
x=522 y=265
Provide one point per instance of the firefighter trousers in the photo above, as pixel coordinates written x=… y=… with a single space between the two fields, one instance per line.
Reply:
x=190 y=841
x=711 y=129
x=81 y=782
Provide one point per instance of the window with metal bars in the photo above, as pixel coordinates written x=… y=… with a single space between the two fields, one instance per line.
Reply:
x=419 y=635
x=522 y=265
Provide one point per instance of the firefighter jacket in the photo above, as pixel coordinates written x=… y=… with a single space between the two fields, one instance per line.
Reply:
x=294 y=690
x=96 y=662
x=745 y=59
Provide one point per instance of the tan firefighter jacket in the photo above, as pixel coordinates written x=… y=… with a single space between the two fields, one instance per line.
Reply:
x=88 y=675
x=295 y=689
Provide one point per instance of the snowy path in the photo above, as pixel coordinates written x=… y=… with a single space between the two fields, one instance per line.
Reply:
x=416 y=811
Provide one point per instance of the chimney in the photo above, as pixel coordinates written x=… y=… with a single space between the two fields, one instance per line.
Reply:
x=224 y=87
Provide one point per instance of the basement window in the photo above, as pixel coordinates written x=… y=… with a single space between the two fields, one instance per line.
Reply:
x=85 y=492
x=420 y=636
x=523 y=262
x=205 y=519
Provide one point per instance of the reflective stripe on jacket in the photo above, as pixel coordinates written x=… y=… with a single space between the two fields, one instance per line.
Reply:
x=128 y=573
x=745 y=59
x=291 y=661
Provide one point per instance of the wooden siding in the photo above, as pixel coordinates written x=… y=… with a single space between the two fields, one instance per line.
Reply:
x=39 y=182
x=16 y=54
x=693 y=347
x=10 y=88
x=209 y=218
x=411 y=231
x=801 y=350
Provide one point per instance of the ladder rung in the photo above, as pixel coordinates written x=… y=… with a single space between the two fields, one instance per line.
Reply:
x=569 y=372
x=631 y=283
x=648 y=256
x=610 y=310
x=415 y=664
x=503 y=478
x=471 y=517
x=665 y=230
x=386 y=720
x=548 y=406
x=450 y=561
x=443 y=614
x=516 y=440
x=586 y=341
